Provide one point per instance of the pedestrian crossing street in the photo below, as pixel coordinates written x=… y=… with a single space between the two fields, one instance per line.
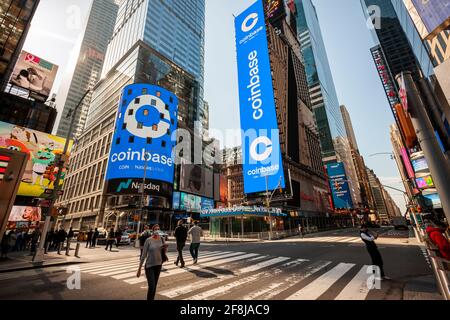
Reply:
x=244 y=276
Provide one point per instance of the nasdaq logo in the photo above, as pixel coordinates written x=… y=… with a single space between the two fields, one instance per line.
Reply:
x=124 y=185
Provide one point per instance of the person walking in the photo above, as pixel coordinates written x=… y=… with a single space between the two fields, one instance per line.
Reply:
x=19 y=241
x=143 y=237
x=301 y=230
x=5 y=245
x=89 y=238
x=12 y=240
x=369 y=240
x=70 y=235
x=34 y=240
x=196 y=232
x=152 y=255
x=110 y=240
x=180 y=236
x=61 y=238
x=94 y=238
x=118 y=237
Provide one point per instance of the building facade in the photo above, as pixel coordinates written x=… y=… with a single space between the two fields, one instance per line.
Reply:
x=15 y=20
x=324 y=99
x=134 y=55
x=99 y=29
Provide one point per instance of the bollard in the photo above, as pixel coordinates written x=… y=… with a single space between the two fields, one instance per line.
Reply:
x=77 y=250
x=68 y=249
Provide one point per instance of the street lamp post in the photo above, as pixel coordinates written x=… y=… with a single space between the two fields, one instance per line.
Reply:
x=268 y=200
x=39 y=257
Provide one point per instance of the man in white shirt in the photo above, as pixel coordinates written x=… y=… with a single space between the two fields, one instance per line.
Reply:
x=195 y=232
x=372 y=248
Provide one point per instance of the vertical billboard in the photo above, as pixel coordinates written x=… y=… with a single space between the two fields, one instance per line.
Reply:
x=340 y=189
x=34 y=74
x=435 y=14
x=42 y=150
x=262 y=163
x=141 y=149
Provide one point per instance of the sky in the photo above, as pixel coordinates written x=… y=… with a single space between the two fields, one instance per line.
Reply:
x=58 y=26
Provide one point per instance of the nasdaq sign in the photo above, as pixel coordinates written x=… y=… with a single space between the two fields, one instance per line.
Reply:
x=142 y=145
x=261 y=149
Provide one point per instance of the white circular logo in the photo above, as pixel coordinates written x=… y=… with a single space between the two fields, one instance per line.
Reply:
x=254 y=149
x=250 y=22
x=147 y=131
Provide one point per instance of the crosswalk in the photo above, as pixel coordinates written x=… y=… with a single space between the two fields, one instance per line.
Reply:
x=244 y=276
x=337 y=239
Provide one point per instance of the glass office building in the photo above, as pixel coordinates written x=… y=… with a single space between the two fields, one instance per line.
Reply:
x=320 y=80
x=15 y=18
x=99 y=29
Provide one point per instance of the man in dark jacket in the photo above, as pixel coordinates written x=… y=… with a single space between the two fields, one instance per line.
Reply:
x=372 y=248
x=89 y=238
x=110 y=240
x=94 y=238
x=181 y=236
x=61 y=236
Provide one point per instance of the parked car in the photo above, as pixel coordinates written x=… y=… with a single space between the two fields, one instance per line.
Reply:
x=101 y=240
x=125 y=239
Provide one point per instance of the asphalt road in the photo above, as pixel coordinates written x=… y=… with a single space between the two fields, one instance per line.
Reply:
x=326 y=266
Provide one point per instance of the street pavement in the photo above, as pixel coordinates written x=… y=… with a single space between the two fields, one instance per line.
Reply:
x=327 y=266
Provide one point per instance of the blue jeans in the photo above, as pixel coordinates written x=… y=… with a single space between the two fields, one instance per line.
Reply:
x=194 y=250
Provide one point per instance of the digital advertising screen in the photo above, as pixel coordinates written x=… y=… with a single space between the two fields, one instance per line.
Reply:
x=142 y=143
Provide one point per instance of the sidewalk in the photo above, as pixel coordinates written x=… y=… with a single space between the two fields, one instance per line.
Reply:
x=23 y=260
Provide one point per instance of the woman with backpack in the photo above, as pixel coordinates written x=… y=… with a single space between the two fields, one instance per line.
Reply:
x=153 y=255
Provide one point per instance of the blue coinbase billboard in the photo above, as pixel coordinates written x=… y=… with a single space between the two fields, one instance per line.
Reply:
x=340 y=189
x=260 y=141
x=142 y=144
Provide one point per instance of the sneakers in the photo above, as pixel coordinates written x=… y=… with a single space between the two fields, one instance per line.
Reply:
x=176 y=263
x=195 y=261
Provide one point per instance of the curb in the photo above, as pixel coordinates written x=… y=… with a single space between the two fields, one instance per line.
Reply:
x=41 y=266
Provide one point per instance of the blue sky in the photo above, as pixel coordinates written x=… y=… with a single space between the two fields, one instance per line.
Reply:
x=58 y=26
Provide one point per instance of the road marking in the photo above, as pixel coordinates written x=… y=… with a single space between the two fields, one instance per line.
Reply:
x=357 y=289
x=264 y=264
x=178 y=291
x=318 y=287
x=197 y=267
x=288 y=282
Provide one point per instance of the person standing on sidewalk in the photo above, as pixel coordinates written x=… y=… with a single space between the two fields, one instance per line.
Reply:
x=34 y=240
x=94 y=238
x=369 y=240
x=61 y=236
x=180 y=236
x=5 y=245
x=196 y=232
x=89 y=238
x=152 y=255
x=110 y=240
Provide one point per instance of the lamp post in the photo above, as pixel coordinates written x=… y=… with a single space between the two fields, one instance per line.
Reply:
x=39 y=257
x=268 y=200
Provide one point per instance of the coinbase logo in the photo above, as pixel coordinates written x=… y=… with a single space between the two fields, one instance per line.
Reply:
x=249 y=22
x=139 y=129
x=267 y=143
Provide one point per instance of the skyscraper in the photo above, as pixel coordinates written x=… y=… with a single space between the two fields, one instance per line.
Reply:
x=349 y=127
x=133 y=57
x=87 y=72
x=320 y=80
x=15 y=19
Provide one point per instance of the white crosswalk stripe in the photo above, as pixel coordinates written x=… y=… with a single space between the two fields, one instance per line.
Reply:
x=244 y=276
x=333 y=239
x=318 y=287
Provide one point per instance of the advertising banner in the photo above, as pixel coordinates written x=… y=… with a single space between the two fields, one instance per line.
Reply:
x=29 y=214
x=434 y=13
x=142 y=145
x=197 y=180
x=42 y=149
x=339 y=186
x=262 y=162
x=34 y=74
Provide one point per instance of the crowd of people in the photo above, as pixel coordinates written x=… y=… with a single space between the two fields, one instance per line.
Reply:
x=19 y=240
